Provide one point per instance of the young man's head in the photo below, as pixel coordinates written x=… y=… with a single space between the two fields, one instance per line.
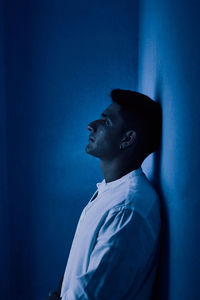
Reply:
x=129 y=128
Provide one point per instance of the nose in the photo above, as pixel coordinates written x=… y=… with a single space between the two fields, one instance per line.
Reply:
x=92 y=127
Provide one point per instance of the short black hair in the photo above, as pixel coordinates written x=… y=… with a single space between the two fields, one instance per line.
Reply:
x=141 y=114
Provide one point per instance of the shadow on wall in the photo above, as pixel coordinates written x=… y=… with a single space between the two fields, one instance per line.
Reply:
x=162 y=277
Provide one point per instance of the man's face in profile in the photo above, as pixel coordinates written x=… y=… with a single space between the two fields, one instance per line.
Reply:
x=106 y=134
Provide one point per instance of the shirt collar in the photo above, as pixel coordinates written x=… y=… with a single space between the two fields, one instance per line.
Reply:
x=102 y=186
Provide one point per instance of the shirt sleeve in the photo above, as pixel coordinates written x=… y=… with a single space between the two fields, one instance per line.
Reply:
x=123 y=247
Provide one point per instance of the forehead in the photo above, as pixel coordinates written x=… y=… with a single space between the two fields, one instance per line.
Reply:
x=113 y=110
x=118 y=117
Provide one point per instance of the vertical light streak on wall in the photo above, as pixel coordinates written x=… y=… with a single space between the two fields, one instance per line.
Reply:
x=169 y=68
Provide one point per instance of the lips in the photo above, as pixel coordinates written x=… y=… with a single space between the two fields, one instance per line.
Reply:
x=91 y=138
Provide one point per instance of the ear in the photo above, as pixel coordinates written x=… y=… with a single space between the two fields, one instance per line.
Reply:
x=128 y=139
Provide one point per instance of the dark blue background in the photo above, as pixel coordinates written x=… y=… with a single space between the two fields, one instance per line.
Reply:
x=60 y=60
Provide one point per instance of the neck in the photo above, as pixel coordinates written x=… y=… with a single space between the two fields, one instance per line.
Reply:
x=113 y=170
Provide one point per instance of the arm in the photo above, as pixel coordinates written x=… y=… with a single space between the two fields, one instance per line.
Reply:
x=123 y=246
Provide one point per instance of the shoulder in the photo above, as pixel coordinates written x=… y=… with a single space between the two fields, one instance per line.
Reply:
x=143 y=195
x=140 y=205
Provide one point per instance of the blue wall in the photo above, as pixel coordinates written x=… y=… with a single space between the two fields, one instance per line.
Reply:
x=169 y=70
x=4 y=248
x=62 y=59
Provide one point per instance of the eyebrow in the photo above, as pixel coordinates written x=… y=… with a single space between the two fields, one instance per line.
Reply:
x=104 y=115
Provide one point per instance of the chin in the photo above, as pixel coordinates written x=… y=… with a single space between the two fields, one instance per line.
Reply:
x=90 y=151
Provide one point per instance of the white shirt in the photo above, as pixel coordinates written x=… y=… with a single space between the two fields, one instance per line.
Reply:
x=115 y=247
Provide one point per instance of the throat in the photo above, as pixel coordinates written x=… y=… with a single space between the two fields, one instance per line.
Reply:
x=115 y=170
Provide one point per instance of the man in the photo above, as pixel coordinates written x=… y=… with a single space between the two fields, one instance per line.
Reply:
x=114 y=252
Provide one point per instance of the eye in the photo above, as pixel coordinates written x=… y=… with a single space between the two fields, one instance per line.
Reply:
x=106 y=122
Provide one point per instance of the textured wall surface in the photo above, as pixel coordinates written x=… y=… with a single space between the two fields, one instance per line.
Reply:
x=62 y=59
x=169 y=70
